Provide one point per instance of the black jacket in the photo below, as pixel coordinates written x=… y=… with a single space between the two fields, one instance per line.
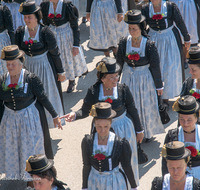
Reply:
x=173 y=15
x=6 y=22
x=151 y=57
x=124 y=103
x=187 y=86
x=157 y=183
x=47 y=42
x=121 y=153
x=69 y=14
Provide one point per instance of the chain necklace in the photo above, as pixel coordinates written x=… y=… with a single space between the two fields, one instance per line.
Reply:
x=103 y=138
x=33 y=29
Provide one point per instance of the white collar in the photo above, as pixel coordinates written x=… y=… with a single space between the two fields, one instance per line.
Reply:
x=163 y=9
x=27 y=35
x=58 y=8
x=101 y=94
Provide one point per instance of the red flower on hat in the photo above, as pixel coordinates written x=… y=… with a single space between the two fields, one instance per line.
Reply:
x=58 y=16
x=196 y=95
x=26 y=42
x=31 y=41
x=51 y=15
x=193 y=151
x=157 y=17
x=12 y=85
x=100 y=156
x=109 y=100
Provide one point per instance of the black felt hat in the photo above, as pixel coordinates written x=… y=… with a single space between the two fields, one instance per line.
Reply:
x=134 y=17
x=186 y=105
x=11 y=52
x=38 y=163
x=108 y=65
x=194 y=55
x=28 y=7
x=102 y=110
x=175 y=150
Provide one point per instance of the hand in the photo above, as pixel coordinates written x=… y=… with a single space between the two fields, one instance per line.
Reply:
x=57 y=123
x=160 y=92
x=187 y=45
x=119 y=17
x=139 y=137
x=69 y=117
x=88 y=17
x=61 y=78
x=75 y=51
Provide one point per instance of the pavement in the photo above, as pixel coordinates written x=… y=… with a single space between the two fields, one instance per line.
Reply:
x=67 y=142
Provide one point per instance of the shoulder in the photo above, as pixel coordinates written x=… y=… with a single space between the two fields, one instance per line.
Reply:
x=189 y=80
x=47 y=31
x=20 y=29
x=150 y=44
x=122 y=40
x=145 y=7
x=157 y=183
x=87 y=140
x=4 y=8
x=94 y=88
x=44 y=2
x=171 y=133
x=196 y=183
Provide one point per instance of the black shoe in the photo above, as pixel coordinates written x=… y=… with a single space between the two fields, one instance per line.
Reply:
x=148 y=140
x=84 y=20
x=71 y=86
x=185 y=65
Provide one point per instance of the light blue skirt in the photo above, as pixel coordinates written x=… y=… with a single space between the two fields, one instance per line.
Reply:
x=194 y=171
x=170 y=61
x=73 y=66
x=109 y=180
x=142 y=87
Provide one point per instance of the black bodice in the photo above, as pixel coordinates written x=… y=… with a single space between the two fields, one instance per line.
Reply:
x=47 y=43
x=16 y=1
x=69 y=14
x=17 y=99
x=173 y=15
x=6 y=22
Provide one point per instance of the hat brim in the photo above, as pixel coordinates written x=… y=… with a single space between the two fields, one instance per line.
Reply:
x=50 y=164
x=193 y=62
x=112 y=115
x=185 y=155
x=21 y=54
x=136 y=22
x=28 y=13
x=190 y=112
x=117 y=69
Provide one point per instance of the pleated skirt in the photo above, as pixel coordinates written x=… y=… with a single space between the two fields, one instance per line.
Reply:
x=4 y=41
x=142 y=87
x=170 y=61
x=41 y=67
x=20 y=137
x=73 y=66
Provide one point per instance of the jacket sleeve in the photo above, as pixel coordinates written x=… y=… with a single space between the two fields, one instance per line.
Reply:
x=72 y=12
x=119 y=6
x=132 y=110
x=178 y=19
x=1 y=110
x=157 y=183
x=131 y=4
x=86 y=107
x=154 y=62
x=52 y=46
x=86 y=163
x=184 y=88
x=38 y=91
x=18 y=37
x=89 y=4
x=9 y=23
x=125 y=160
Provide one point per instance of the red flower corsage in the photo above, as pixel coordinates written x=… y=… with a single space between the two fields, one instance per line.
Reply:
x=31 y=41
x=100 y=156
x=26 y=42
x=196 y=95
x=133 y=56
x=51 y=15
x=157 y=17
x=58 y=16
x=194 y=152
x=109 y=100
x=12 y=85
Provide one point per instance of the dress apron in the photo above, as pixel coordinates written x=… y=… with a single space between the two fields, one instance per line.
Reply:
x=107 y=180
x=20 y=137
x=189 y=13
x=193 y=171
x=4 y=41
x=18 y=18
x=41 y=67
x=170 y=61
x=104 y=25
x=73 y=66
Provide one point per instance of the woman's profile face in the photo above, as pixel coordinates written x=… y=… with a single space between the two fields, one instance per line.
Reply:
x=134 y=30
x=30 y=20
x=42 y=183
x=177 y=169
x=102 y=127
x=111 y=80
x=187 y=122
x=194 y=71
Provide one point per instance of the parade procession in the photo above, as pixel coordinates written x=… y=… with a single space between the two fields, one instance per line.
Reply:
x=99 y=95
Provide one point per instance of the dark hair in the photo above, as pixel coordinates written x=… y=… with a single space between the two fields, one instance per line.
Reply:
x=22 y=59
x=100 y=76
x=198 y=65
x=38 y=16
x=142 y=27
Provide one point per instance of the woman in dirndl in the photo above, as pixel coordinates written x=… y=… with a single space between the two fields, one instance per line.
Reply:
x=7 y=36
x=23 y=125
x=103 y=151
x=107 y=89
x=104 y=17
x=139 y=59
x=42 y=55
x=18 y=19
x=160 y=16
x=62 y=17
